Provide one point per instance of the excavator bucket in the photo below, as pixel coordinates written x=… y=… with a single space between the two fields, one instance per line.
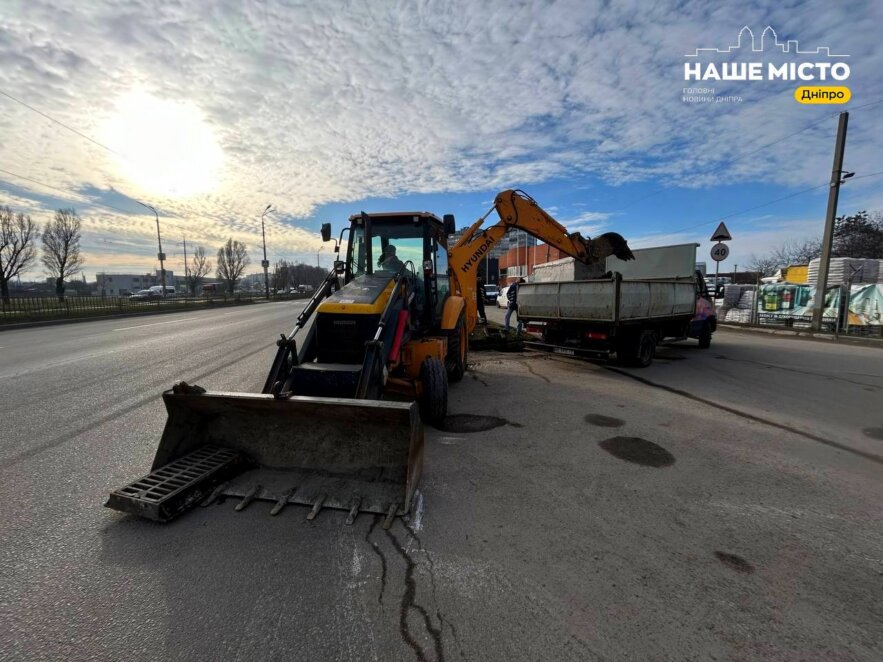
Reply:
x=354 y=455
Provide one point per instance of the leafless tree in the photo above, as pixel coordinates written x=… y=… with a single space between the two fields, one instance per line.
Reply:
x=766 y=265
x=61 y=248
x=232 y=260
x=797 y=252
x=17 y=237
x=281 y=275
x=201 y=265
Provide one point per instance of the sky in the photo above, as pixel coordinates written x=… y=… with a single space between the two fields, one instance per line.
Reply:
x=211 y=111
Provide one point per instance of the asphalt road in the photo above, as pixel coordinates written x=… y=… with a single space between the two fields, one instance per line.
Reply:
x=751 y=530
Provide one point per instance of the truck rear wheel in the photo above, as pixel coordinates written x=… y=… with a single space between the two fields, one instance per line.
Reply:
x=705 y=336
x=637 y=350
x=458 y=348
x=646 y=349
x=433 y=399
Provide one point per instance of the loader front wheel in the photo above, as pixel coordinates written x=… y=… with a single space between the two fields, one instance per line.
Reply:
x=434 y=396
x=458 y=347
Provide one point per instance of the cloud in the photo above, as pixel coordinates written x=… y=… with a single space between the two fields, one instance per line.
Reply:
x=337 y=102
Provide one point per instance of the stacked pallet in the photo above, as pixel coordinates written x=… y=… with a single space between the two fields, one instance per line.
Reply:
x=741 y=311
x=841 y=269
x=737 y=304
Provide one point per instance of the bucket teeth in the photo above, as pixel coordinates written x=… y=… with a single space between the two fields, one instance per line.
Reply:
x=354 y=510
x=317 y=506
x=390 y=515
x=283 y=501
x=215 y=495
x=250 y=496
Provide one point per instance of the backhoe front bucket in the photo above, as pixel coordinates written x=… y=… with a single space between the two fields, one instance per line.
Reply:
x=355 y=455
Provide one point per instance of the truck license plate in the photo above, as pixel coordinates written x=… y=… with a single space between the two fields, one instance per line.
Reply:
x=566 y=352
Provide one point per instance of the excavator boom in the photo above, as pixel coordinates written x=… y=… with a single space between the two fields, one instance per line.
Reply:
x=517 y=210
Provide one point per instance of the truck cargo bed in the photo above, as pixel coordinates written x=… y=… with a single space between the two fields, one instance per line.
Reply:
x=607 y=301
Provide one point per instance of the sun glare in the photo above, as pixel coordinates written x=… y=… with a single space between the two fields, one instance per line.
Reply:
x=165 y=147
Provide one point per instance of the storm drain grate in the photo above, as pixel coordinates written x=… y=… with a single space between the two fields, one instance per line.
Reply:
x=166 y=492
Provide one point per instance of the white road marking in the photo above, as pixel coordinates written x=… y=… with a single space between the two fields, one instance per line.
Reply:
x=138 y=326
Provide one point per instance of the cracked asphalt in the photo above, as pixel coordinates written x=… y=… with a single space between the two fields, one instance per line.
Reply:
x=704 y=508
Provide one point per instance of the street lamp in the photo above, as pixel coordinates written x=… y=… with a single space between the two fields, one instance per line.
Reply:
x=160 y=255
x=317 y=256
x=265 y=263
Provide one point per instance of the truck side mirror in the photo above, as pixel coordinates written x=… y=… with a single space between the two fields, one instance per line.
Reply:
x=339 y=267
x=326 y=231
x=450 y=225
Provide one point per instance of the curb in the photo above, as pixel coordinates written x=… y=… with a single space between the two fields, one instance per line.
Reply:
x=806 y=335
x=96 y=318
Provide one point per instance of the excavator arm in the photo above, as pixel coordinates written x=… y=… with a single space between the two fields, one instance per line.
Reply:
x=518 y=210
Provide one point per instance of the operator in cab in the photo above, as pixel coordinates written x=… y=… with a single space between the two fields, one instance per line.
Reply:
x=389 y=261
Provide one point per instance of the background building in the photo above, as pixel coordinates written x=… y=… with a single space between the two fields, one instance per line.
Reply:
x=114 y=284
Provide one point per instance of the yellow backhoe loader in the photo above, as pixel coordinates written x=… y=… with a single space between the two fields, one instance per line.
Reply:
x=338 y=423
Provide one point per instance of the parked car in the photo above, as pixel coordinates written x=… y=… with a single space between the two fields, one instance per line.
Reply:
x=502 y=302
x=491 y=292
x=145 y=295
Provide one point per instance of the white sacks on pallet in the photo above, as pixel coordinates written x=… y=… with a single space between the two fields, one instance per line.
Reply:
x=841 y=269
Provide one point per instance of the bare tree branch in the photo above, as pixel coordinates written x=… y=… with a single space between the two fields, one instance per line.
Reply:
x=61 y=247
x=17 y=237
x=201 y=266
x=232 y=260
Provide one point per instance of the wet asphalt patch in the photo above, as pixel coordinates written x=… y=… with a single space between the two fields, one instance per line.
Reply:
x=604 y=421
x=637 y=450
x=734 y=562
x=465 y=423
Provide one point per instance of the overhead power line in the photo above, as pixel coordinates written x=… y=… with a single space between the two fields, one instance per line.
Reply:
x=71 y=197
x=59 y=122
x=756 y=150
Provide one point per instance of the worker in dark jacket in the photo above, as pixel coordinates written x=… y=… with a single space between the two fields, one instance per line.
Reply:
x=479 y=301
x=512 y=307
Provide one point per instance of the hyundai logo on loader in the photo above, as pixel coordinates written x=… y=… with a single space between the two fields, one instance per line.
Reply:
x=475 y=258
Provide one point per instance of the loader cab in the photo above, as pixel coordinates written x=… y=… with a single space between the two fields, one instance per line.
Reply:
x=380 y=244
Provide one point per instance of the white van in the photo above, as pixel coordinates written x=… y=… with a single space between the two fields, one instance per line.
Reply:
x=170 y=290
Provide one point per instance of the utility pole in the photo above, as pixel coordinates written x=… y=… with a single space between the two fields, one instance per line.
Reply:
x=818 y=301
x=186 y=270
x=160 y=255
x=265 y=263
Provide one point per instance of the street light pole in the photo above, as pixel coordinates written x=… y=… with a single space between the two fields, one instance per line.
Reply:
x=160 y=255
x=265 y=263
x=317 y=257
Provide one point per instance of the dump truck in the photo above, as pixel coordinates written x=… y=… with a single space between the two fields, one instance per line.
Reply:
x=624 y=312
x=339 y=421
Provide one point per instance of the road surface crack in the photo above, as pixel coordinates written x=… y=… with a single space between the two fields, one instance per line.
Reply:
x=409 y=602
x=530 y=369
x=380 y=555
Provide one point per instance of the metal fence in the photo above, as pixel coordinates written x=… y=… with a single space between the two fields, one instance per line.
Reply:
x=30 y=309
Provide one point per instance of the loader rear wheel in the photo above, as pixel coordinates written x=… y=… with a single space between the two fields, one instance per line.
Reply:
x=458 y=348
x=434 y=397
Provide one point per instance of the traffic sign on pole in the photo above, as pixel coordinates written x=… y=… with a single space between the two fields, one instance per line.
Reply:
x=721 y=234
x=719 y=252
